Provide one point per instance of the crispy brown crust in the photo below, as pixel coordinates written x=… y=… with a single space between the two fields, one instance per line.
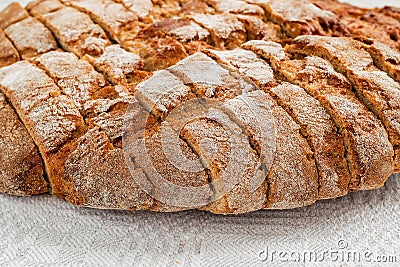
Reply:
x=77 y=34
x=375 y=88
x=85 y=162
x=301 y=17
x=8 y=53
x=356 y=123
x=365 y=22
x=20 y=163
x=31 y=38
x=12 y=14
x=386 y=58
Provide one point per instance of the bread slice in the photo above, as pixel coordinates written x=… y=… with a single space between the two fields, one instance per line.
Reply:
x=262 y=120
x=82 y=164
x=20 y=163
x=31 y=38
x=375 y=88
x=13 y=13
x=167 y=152
x=211 y=80
x=368 y=150
x=117 y=21
x=142 y=8
x=78 y=34
x=96 y=175
x=232 y=163
x=174 y=187
x=386 y=58
x=8 y=53
x=363 y=22
x=321 y=133
x=226 y=30
x=315 y=122
x=229 y=87
x=301 y=18
x=50 y=117
x=76 y=78
x=210 y=139
x=120 y=67
x=293 y=177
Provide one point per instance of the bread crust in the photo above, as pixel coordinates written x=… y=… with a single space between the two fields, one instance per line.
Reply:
x=129 y=60
x=363 y=22
x=356 y=123
x=13 y=13
x=31 y=38
x=78 y=34
x=385 y=58
x=375 y=88
x=21 y=167
x=8 y=53
x=301 y=18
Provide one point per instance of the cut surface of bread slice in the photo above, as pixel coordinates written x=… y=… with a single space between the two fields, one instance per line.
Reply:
x=21 y=167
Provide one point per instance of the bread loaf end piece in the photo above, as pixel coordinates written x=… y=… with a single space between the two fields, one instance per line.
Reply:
x=21 y=167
